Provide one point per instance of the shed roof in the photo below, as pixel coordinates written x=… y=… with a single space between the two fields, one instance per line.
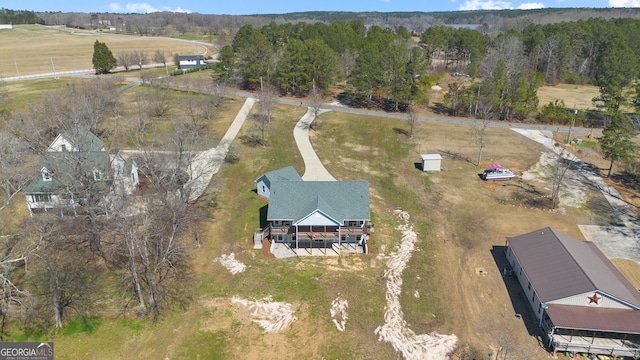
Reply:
x=431 y=157
x=340 y=200
x=560 y=266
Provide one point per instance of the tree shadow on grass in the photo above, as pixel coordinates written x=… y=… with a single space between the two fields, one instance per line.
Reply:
x=401 y=131
x=456 y=156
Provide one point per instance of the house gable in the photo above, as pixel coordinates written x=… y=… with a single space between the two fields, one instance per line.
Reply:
x=593 y=299
x=76 y=140
x=317 y=218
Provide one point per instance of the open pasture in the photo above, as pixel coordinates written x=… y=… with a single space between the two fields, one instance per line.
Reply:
x=33 y=49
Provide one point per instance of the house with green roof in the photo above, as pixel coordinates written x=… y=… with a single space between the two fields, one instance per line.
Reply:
x=332 y=216
x=264 y=181
x=76 y=167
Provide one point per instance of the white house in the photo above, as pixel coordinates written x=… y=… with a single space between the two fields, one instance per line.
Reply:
x=77 y=159
x=191 y=61
x=580 y=300
x=431 y=162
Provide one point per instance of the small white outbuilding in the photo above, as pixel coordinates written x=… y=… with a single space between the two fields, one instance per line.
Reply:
x=431 y=162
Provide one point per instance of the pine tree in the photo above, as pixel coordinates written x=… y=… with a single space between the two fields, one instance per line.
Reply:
x=103 y=59
x=617 y=140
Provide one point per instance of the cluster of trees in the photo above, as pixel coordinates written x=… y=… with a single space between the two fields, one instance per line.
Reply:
x=298 y=59
x=67 y=260
x=8 y=16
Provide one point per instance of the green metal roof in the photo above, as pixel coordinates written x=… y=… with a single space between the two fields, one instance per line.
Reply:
x=285 y=174
x=340 y=200
x=68 y=168
x=83 y=140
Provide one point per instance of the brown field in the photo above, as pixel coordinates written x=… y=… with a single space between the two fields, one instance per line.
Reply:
x=573 y=95
x=31 y=49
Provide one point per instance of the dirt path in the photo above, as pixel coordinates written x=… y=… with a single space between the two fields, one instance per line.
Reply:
x=621 y=241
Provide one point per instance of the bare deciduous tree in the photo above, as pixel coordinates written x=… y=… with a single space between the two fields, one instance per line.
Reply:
x=412 y=118
x=150 y=250
x=63 y=274
x=563 y=162
x=316 y=99
x=126 y=60
x=14 y=298
x=15 y=171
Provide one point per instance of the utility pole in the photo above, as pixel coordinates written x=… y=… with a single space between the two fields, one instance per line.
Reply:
x=54 y=70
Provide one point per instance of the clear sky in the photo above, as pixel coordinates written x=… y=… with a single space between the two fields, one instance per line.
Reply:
x=246 y=7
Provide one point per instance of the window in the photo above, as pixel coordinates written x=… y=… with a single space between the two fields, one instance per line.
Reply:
x=63 y=147
x=41 y=197
x=529 y=287
x=540 y=308
x=533 y=298
x=46 y=175
x=97 y=175
x=264 y=189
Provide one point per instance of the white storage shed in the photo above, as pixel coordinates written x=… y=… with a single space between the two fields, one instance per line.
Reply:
x=431 y=162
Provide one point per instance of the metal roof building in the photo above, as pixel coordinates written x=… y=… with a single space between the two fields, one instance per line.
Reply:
x=581 y=300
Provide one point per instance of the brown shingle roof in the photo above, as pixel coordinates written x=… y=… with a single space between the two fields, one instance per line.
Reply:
x=560 y=266
x=594 y=318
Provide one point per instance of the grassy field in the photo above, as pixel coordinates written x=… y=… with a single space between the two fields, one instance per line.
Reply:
x=33 y=49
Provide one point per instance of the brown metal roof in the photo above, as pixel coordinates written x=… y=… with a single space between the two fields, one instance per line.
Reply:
x=560 y=266
x=594 y=318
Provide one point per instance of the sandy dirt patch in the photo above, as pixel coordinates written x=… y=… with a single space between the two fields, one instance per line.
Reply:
x=621 y=242
x=395 y=329
x=230 y=263
x=338 y=312
x=573 y=189
x=272 y=316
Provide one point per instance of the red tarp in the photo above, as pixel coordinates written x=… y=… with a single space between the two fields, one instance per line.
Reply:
x=494 y=166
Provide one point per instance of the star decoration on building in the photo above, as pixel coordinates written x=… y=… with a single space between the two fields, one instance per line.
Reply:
x=594 y=299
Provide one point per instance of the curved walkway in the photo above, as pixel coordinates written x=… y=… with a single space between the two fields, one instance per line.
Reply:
x=313 y=168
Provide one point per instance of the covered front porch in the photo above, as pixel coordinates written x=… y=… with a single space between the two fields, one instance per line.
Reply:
x=595 y=342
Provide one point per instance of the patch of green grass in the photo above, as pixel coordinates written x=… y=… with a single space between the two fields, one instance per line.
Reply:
x=205 y=345
x=136 y=325
x=81 y=323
